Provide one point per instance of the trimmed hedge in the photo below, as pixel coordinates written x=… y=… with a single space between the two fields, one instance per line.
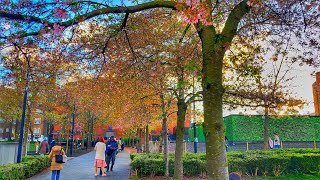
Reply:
x=253 y=163
x=30 y=166
x=199 y=133
x=128 y=141
x=289 y=128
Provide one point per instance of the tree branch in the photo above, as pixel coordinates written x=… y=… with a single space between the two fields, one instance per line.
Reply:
x=231 y=25
x=184 y=32
x=89 y=15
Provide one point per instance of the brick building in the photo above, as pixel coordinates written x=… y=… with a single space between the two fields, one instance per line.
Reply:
x=38 y=126
x=316 y=94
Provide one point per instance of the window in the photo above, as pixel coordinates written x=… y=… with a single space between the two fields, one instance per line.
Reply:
x=37 y=121
x=1 y=121
x=7 y=129
x=36 y=130
x=1 y=130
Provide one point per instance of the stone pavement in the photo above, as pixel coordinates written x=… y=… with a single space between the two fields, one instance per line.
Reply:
x=81 y=167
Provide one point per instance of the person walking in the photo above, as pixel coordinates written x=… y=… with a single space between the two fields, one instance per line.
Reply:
x=44 y=147
x=56 y=167
x=276 y=141
x=122 y=146
x=112 y=147
x=37 y=146
x=99 y=161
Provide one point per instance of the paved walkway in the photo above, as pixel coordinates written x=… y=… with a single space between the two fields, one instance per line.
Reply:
x=82 y=168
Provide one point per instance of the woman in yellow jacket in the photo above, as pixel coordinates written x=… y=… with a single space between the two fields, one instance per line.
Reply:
x=56 y=167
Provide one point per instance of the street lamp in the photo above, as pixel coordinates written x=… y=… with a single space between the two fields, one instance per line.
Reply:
x=195 y=137
x=22 y=124
x=72 y=130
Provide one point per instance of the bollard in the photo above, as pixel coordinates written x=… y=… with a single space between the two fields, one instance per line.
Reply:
x=314 y=145
x=247 y=146
x=281 y=145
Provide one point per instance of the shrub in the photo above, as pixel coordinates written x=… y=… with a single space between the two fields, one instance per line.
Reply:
x=289 y=128
x=252 y=163
x=29 y=166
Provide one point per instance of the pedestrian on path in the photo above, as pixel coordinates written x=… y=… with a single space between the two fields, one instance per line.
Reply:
x=37 y=146
x=99 y=161
x=276 y=141
x=112 y=147
x=56 y=167
x=44 y=147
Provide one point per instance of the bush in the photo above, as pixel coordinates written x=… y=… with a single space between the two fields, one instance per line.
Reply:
x=29 y=166
x=289 y=128
x=252 y=163
x=128 y=141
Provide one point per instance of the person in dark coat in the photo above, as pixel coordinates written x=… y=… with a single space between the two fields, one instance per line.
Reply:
x=112 y=146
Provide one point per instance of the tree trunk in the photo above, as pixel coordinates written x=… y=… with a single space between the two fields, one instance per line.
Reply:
x=4 y=132
x=10 y=132
x=88 y=132
x=16 y=131
x=165 y=136
x=178 y=164
x=217 y=166
x=139 y=140
x=92 y=124
x=31 y=132
x=132 y=141
x=82 y=142
x=67 y=145
x=51 y=129
x=147 y=139
x=266 y=128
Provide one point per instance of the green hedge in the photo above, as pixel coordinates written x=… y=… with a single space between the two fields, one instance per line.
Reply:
x=30 y=166
x=128 y=141
x=289 y=128
x=254 y=163
x=199 y=133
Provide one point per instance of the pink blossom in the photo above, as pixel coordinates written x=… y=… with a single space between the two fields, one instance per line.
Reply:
x=61 y=13
x=196 y=12
x=57 y=29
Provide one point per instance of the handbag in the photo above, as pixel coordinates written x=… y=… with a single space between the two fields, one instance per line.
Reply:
x=59 y=157
x=64 y=158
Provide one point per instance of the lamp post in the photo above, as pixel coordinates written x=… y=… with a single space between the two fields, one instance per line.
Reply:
x=25 y=96
x=72 y=129
x=195 y=137
x=22 y=124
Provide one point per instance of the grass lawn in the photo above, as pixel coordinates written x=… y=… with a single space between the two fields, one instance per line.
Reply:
x=287 y=177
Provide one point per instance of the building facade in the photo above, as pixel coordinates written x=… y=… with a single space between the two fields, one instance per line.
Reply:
x=9 y=129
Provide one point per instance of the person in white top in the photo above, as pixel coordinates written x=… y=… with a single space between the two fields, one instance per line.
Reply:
x=100 y=161
x=276 y=141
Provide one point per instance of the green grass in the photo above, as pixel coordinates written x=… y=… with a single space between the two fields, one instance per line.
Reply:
x=287 y=177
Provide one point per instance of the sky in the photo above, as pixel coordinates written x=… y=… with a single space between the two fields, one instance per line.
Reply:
x=301 y=87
